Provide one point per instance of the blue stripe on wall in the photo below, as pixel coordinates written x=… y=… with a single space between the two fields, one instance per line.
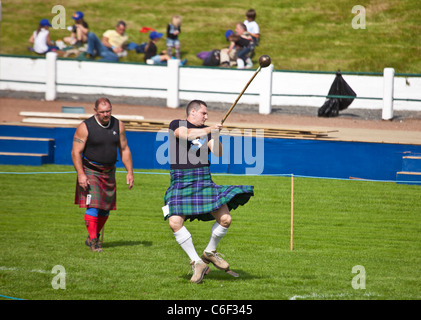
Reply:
x=331 y=159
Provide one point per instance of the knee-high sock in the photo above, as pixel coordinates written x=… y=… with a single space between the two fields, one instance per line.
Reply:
x=184 y=239
x=101 y=223
x=91 y=223
x=217 y=233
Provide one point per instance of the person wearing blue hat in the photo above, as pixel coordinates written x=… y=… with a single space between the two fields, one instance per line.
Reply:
x=240 y=49
x=151 y=55
x=79 y=30
x=40 y=38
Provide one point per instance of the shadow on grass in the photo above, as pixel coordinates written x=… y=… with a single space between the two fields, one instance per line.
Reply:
x=126 y=244
x=216 y=274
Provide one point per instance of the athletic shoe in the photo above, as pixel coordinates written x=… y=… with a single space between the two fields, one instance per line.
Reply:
x=214 y=257
x=199 y=271
x=95 y=245
x=88 y=241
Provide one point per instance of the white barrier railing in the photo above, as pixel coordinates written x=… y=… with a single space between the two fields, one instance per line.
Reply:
x=270 y=88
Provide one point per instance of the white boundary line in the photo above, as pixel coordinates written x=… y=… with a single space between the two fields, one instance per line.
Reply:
x=330 y=296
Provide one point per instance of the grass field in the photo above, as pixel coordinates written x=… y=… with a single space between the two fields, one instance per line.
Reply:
x=337 y=225
x=298 y=35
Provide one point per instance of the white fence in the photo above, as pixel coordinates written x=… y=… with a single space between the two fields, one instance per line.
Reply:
x=270 y=87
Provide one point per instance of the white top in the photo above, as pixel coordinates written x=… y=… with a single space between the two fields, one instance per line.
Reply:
x=40 y=41
x=252 y=26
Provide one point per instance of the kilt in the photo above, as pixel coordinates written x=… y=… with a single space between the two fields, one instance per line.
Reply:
x=101 y=188
x=193 y=194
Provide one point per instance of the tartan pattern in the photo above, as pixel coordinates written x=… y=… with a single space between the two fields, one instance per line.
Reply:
x=102 y=188
x=193 y=194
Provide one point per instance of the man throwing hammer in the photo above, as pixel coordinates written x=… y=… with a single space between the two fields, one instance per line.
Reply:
x=192 y=193
x=94 y=155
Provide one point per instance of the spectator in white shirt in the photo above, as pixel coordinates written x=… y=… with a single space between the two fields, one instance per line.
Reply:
x=41 y=38
x=252 y=26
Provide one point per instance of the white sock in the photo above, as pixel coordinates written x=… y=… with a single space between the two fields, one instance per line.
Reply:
x=184 y=239
x=217 y=233
x=240 y=64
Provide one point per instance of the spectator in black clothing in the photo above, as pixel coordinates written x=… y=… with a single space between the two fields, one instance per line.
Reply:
x=151 y=51
x=79 y=30
x=241 y=46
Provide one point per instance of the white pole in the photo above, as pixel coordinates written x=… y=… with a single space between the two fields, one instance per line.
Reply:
x=388 y=79
x=265 y=104
x=50 y=81
x=173 y=100
x=292 y=213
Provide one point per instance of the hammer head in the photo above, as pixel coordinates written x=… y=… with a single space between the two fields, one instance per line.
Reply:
x=264 y=61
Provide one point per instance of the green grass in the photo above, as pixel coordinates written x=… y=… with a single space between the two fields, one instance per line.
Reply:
x=337 y=225
x=298 y=35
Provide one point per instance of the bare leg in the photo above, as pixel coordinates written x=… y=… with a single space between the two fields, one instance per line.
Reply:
x=223 y=216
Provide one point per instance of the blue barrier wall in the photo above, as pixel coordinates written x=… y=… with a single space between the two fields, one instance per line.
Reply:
x=320 y=158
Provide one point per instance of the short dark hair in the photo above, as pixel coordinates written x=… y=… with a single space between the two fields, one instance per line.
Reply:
x=121 y=22
x=251 y=14
x=195 y=104
x=101 y=101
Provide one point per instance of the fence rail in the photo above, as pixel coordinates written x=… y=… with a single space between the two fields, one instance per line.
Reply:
x=375 y=90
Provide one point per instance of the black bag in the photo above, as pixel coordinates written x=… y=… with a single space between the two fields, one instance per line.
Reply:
x=329 y=109
x=332 y=106
x=213 y=59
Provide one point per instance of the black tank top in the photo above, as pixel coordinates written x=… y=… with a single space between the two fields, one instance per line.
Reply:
x=188 y=154
x=102 y=143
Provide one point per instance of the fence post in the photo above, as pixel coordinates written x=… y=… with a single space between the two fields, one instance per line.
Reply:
x=265 y=103
x=50 y=81
x=173 y=100
x=388 y=79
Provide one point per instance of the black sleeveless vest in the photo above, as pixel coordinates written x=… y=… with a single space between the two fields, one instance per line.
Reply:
x=102 y=143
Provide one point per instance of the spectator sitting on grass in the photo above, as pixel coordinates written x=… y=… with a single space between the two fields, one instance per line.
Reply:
x=41 y=38
x=112 y=46
x=80 y=30
x=151 y=56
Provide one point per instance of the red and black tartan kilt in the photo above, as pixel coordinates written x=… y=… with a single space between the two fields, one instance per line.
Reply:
x=101 y=188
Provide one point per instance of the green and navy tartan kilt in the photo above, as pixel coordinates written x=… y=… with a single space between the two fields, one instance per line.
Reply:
x=102 y=187
x=193 y=194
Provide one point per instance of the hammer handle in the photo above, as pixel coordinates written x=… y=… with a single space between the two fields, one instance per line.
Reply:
x=239 y=96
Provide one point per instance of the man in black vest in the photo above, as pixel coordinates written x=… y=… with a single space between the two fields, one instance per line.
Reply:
x=94 y=155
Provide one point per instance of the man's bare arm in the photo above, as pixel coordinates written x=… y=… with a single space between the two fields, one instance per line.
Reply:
x=126 y=156
x=79 y=142
x=193 y=133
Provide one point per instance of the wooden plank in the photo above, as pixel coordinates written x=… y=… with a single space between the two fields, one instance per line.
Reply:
x=409 y=173
x=23 y=154
x=52 y=121
x=76 y=115
x=26 y=139
x=139 y=124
